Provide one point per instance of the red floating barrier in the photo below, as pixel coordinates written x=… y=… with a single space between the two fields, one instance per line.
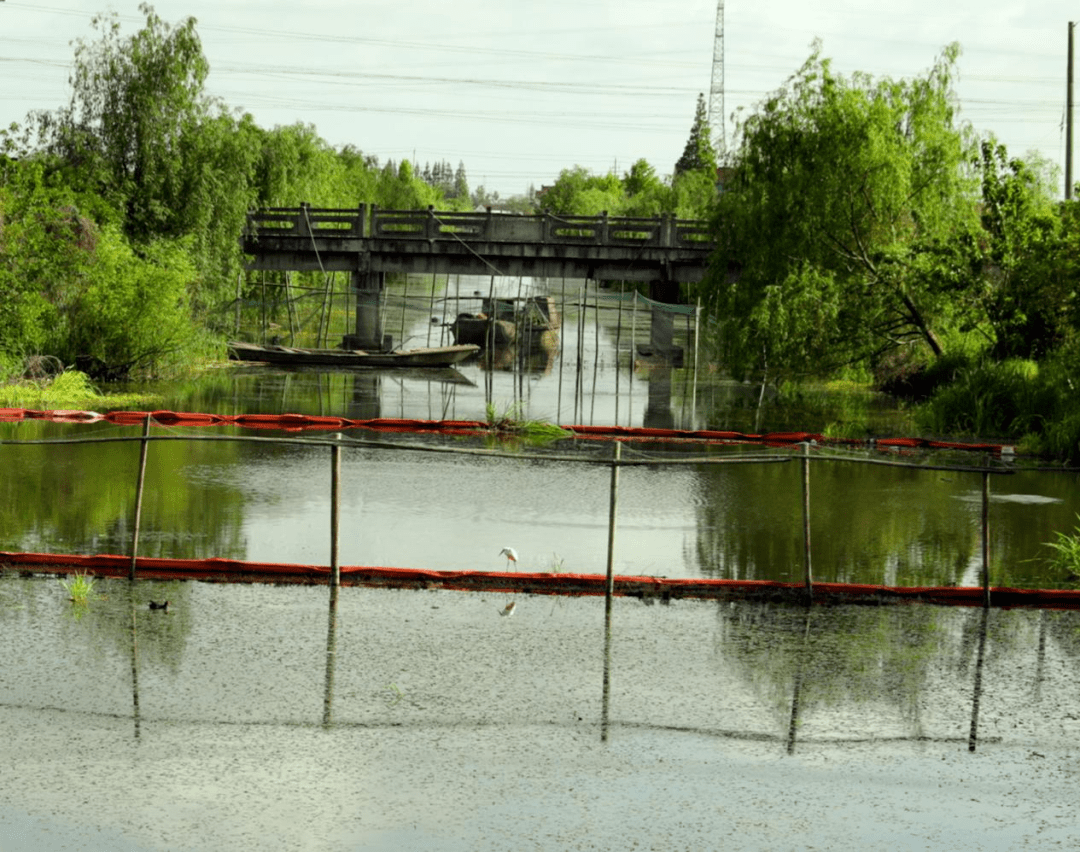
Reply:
x=646 y=588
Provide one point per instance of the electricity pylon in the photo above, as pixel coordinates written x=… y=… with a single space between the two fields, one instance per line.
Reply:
x=716 y=89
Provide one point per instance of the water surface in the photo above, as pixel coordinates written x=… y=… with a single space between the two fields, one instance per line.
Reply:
x=436 y=724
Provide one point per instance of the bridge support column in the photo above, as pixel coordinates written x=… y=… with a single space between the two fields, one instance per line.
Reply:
x=368 y=334
x=661 y=346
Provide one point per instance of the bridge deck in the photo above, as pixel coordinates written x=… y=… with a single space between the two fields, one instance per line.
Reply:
x=366 y=239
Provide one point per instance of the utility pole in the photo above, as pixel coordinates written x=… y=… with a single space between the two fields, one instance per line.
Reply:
x=1069 y=118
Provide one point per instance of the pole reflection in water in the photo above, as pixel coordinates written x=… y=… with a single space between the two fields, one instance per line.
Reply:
x=609 y=589
x=134 y=657
x=977 y=696
x=797 y=689
x=331 y=656
x=1040 y=657
x=335 y=579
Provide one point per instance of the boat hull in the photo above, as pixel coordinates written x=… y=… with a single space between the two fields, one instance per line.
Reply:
x=438 y=356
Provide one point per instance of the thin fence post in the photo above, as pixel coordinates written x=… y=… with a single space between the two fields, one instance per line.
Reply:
x=806 y=519
x=404 y=307
x=986 y=537
x=609 y=589
x=633 y=357
x=618 y=340
x=139 y=495
x=335 y=513
x=562 y=348
x=431 y=308
x=693 y=392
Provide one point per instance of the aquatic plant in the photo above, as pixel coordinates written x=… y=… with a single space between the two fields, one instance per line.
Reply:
x=80 y=588
x=510 y=422
x=1065 y=557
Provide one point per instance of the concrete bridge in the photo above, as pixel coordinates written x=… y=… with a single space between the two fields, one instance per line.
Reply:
x=368 y=243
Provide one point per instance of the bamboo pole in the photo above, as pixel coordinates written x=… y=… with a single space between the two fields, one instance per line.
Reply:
x=578 y=390
x=986 y=537
x=431 y=309
x=290 y=308
x=139 y=495
x=404 y=307
x=809 y=583
x=693 y=391
x=618 y=336
x=609 y=589
x=335 y=512
x=596 y=353
x=633 y=354
x=562 y=348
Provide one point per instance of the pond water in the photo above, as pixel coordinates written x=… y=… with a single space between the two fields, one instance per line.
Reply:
x=260 y=717
x=424 y=720
x=271 y=502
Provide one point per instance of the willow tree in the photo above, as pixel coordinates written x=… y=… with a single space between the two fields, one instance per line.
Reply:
x=838 y=221
x=134 y=103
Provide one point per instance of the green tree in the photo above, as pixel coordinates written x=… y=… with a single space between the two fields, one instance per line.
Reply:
x=130 y=313
x=133 y=102
x=72 y=289
x=578 y=192
x=461 y=182
x=646 y=194
x=698 y=155
x=44 y=246
x=1029 y=273
x=837 y=225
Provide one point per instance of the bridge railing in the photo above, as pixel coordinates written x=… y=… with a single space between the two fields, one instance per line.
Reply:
x=306 y=221
x=441 y=225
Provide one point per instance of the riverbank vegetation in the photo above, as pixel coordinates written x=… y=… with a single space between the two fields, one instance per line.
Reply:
x=863 y=226
x=120 y=211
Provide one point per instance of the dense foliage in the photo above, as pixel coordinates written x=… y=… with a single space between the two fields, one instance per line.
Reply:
x=838 y=219
x=120 y=211
x=863 y=225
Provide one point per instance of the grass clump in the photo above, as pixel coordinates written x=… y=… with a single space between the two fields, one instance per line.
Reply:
x=510 y=422
x=79 y=588
x=1064 y=558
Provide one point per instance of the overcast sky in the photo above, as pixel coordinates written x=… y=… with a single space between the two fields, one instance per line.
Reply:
x=520 y=89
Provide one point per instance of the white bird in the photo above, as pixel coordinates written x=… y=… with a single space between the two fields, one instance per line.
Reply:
x=510 y=554
x=509 y=610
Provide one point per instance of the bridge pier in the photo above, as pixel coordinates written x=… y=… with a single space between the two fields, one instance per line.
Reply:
x=369 y=333
x=661 y=346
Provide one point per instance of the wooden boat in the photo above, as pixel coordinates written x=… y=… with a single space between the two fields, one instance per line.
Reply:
x=436 y=356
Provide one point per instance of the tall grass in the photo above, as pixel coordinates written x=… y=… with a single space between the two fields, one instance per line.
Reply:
x=70 y=389
x=1033 y=405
